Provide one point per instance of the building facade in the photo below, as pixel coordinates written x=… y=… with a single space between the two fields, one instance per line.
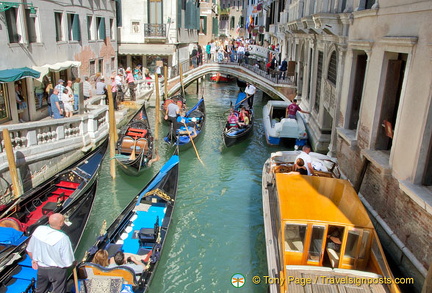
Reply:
x=156 y=33
x=363 y=70
x=55 y=40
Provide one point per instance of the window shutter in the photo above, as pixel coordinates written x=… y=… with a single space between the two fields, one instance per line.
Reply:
x=76 y=30
x=102 y=30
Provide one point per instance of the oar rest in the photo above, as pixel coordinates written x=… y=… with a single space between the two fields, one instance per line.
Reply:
x=128 y=144
x=89 y=270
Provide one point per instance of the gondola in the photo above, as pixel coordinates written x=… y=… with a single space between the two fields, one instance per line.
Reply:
x=134 y=148
x=70 y=193
x=190 y=125
x=140 y=229
x=181 y=102
x=236 y=134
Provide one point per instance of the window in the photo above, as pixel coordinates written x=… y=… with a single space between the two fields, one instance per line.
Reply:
x=318 y=81
x=31 y=27
x=100 y=65
x=203 y=25
x=92 y=67
x=74 y=32
x=316 y=243
x=11 y=22
x=294 y=237
x=58 y=18
x=232 y=22
x=112 y=28
x=135 y=27
x=89 y=27
x=100 y=25
x=351 y=245
x=332 y=69
x=4 y=110
x=155 y=11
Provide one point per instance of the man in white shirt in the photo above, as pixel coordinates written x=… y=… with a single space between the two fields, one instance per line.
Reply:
x=86 y=88
x=51 y=252
x=306 y=158
x=250 y=93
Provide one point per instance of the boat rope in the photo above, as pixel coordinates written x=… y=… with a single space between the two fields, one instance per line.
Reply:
x=159 y=193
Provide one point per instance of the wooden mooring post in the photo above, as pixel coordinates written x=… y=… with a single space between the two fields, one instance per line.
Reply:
x=16 y=182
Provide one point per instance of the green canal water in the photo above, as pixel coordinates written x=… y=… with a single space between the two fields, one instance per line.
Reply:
x=217 y=226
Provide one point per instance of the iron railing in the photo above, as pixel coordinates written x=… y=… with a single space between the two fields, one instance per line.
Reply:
x=152 y=30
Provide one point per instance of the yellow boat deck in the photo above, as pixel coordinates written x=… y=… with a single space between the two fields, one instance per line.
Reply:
x=302 y=279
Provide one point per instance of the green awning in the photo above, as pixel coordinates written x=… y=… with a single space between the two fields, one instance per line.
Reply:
x=11 y=75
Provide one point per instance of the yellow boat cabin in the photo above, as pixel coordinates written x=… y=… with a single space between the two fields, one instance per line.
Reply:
x=319 y=224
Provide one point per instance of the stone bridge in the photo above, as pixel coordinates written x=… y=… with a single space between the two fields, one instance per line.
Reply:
x=259 y=78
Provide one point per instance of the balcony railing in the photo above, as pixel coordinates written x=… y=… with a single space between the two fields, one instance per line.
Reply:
x=154 y=30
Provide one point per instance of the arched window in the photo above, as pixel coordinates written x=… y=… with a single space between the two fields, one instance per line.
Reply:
x=332 y=69
x=232 y=22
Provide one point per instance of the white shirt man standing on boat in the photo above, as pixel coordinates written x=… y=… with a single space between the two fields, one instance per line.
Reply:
x=172 y=112
x=51 y=252
x=250 y=93
x=306 y=158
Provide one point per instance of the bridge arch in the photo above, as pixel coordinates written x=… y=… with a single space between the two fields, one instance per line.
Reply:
x=272 y=89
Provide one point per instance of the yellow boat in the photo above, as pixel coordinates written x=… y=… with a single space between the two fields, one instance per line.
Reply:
x=319 y=237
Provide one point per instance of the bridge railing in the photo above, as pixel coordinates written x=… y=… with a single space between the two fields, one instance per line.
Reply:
x=255 y=63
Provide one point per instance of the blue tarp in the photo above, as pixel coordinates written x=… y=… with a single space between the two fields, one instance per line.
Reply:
x=11 y=75
x=241 y=96
x=10 y=236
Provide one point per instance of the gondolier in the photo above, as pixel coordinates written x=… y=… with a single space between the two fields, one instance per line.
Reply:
x=172 y=112
x=51 y=253
x=250 y=92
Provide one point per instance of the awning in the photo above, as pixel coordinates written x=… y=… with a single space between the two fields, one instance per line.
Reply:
x=55 y=67
x=11 y=75
x=146 y=49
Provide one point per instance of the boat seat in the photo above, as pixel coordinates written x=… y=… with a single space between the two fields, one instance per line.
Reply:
x=62 y=191
x=68 y=184
x=322 y=174
x=334 y=257
x=284 y=168
x=136 y=132
x=128 y=143
x=88 y=270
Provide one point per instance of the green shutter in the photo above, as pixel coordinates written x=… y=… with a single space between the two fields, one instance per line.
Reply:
x=102 y=30
x=179 y=13
x=205 y=25
x=76 y=30
x=215 y=28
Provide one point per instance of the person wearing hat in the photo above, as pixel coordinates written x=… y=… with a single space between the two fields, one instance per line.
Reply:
x=131 y=83
x=60 y=88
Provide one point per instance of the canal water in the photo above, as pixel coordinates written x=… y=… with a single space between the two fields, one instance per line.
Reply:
x=217 y=227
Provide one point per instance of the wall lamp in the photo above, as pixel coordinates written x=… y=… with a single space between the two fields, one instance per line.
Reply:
x=7 y=5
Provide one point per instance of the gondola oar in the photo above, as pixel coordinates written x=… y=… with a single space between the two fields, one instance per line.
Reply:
x=193 y=144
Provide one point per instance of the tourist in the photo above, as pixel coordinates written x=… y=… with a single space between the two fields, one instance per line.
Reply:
x=130 y=261
x=232 y=120
x=307 y=159
x=282 y=69
x=291 y=110
x=300 y=167
x=67 y=99
x=101 y=258
x=39 y=90
x=131 y=83
x=60 y=87
x=75 y=88
x=87 y=88
x=54 y=101
x=51 y=252
x=114 y=90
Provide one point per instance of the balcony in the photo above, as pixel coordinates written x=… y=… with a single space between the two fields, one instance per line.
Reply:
x=155 y=33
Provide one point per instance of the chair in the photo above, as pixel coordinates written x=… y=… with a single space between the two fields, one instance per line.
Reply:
x=149 y=235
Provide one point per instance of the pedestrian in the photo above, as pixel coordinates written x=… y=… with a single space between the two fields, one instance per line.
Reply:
x=51 y=252
x=75 y=88
x=131 y=83
x=208 y=51
x=87 y=88
x=114 y=90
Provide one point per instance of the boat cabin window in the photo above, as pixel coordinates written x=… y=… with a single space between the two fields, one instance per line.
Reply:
x=294 y=237
x=278 y=113
x=364 y=242
x=315 y=247
x=352 y=243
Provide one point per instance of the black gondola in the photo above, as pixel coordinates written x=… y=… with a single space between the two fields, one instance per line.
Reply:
x=140 y=229
x=134 y=149
x=190 y=126
x=70 y=193
x=234 y=134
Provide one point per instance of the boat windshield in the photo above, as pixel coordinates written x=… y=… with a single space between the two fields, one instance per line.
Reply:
x=315 y=247
x=294 y=237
